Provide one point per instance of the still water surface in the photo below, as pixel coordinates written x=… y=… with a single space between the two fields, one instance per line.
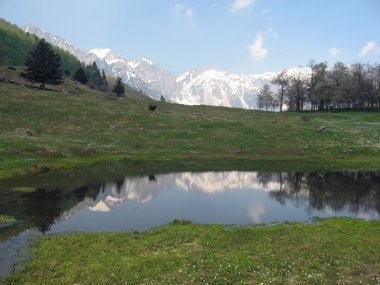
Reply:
x=140 y=203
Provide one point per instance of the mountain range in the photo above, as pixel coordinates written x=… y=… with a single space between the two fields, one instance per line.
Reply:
x=208 y=86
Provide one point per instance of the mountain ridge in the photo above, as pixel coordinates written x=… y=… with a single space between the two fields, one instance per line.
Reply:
x=204 y=85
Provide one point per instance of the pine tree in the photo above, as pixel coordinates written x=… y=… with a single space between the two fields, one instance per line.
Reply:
x=43 y=65
x=105 y=83
x=80 y=76
x=96 y=79
x=162 y=99
x=119 y=87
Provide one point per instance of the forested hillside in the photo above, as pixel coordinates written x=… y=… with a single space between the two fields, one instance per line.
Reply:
x=15 y=46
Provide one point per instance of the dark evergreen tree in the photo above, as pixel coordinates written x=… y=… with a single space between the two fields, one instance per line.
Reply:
x=80 y=76
x=162 y=98
x=43 y=208
x=43 y=65
x=95 y=78
x=104 y=78
x=119 y=87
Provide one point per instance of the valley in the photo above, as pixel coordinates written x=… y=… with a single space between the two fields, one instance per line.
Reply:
x=116 y=170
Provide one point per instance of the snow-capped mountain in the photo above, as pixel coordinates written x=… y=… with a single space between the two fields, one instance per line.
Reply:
x=219 y=88
x=207 y=86
x=141 y=74
x=60 y=42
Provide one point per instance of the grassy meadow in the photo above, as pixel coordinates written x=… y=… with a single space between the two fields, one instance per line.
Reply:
x=331 y=251
x=72 y=125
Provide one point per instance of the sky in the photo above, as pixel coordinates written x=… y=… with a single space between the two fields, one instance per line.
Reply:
x=242 y=36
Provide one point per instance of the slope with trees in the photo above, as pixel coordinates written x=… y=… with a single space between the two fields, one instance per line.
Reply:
x=15 y=46
x=80 y=76
x=119 y=87
x=43 y=65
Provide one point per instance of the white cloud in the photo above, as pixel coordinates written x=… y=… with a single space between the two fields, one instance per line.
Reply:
x=255 y=213
x=335 y=52
x=241 y=4
x=367 y=48
x=183 y=10
x=256 y=49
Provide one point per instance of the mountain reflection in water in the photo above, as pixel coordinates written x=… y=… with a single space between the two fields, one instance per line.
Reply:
x=221 y=197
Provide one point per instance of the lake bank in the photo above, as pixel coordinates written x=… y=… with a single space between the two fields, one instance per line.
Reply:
x=330 y=251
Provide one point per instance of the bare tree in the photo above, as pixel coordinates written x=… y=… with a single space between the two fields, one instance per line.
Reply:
x=283 y=81
x=311 y=85
x=265 y=97
x=354 y=86
x=296 y=92
x=340 y=81
x=321 y=85
x=357 y=70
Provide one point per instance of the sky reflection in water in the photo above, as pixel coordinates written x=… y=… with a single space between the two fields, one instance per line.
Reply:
x=139 y=203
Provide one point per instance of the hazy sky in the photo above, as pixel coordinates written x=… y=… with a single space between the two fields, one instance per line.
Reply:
x=245 y=36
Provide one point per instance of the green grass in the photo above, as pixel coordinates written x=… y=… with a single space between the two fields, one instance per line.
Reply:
x=6 y=220
x=58 y=130
x=331 y=251
x=24 y=189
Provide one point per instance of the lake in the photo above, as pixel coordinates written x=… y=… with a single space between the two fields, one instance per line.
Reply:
x=142 y=202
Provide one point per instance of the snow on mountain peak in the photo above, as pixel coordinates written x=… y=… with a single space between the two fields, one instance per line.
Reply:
x=147 y=61
x=182 y=77
x=206 y=85
x=31 y=27
x=100 y=52
x=298 y=70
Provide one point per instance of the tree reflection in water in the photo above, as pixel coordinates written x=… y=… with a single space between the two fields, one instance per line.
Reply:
x=359 y=191
x=355 y=192
x=43 y=207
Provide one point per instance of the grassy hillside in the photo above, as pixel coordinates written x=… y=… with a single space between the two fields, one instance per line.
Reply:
x=15 y=46
x=82 y=126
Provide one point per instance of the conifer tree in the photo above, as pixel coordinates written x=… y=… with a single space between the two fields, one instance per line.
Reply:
x=80 y=76
x=43 y=65
x=119 y=87
x=105 y=83
x=95 y=77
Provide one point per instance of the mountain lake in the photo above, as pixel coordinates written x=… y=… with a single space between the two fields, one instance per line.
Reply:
x=138 y=203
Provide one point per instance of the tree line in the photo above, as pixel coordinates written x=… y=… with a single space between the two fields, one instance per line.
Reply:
x=43 y=65
x=341 y=87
